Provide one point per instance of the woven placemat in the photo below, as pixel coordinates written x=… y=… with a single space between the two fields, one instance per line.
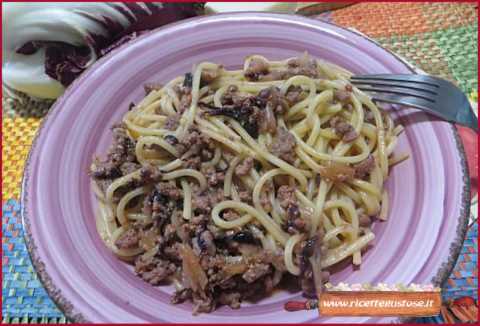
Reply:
x=440 y=38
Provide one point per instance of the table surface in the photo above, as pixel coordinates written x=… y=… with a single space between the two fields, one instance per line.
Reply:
x=440 y=38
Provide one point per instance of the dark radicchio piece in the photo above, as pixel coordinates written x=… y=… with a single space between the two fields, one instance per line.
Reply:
x=244 y=114
x=64 y=62
x=188 y=80
x=256 y=114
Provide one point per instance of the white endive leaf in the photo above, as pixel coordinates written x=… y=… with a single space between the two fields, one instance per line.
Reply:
x=73 y=23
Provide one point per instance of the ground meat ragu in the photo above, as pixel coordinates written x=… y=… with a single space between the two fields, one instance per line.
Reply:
x=204 y=242
x=214 y=177
x=233 y=96
x=121 y=150
x=172 y=122
x=129 y=167
x=203 y=201
x=184 y=93
x=244 y=168
x=128 y=239
x=149 y=173
x=283 y=145
x=185 y=102
x=103 y=184
x=343 y=95
x=363 y=169
x=160 y=203
x=295 y=223
x=119 y=161
x=256 y=68
x=295 y=94
x=255 y=272
x=231 y=299
x=201 y=204
x=245 y=196
x=303 y=65
x=343 y=129
x=193 y=147
x=153 y=270
x=274 y=99
x=286 y=196
x=169 y=189
x=265 y=202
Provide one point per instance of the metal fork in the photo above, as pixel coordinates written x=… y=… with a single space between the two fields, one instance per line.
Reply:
x=427 y=93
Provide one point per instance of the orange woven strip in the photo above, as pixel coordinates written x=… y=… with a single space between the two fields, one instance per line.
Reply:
x=392 y=19
x=18 y=134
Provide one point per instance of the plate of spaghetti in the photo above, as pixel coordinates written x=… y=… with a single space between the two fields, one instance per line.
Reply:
x=199 y=176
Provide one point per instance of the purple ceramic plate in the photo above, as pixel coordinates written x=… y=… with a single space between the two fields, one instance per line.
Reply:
x=429 y=193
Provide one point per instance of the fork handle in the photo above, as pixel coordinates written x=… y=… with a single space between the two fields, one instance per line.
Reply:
x=467 y=118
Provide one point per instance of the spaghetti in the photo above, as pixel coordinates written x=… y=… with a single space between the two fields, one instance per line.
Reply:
x=223 y=181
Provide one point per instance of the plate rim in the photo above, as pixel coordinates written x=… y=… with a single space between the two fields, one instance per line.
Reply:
x=67 y=308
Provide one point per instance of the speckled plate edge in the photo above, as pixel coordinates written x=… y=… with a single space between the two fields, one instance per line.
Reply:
x=69 y=310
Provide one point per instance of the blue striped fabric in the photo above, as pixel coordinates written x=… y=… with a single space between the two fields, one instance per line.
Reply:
x=23 y=296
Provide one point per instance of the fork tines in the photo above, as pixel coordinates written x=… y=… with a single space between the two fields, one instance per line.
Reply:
x=413 y=85
x=424 y=92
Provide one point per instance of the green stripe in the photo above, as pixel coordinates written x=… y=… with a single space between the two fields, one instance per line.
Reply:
x=460 y=48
